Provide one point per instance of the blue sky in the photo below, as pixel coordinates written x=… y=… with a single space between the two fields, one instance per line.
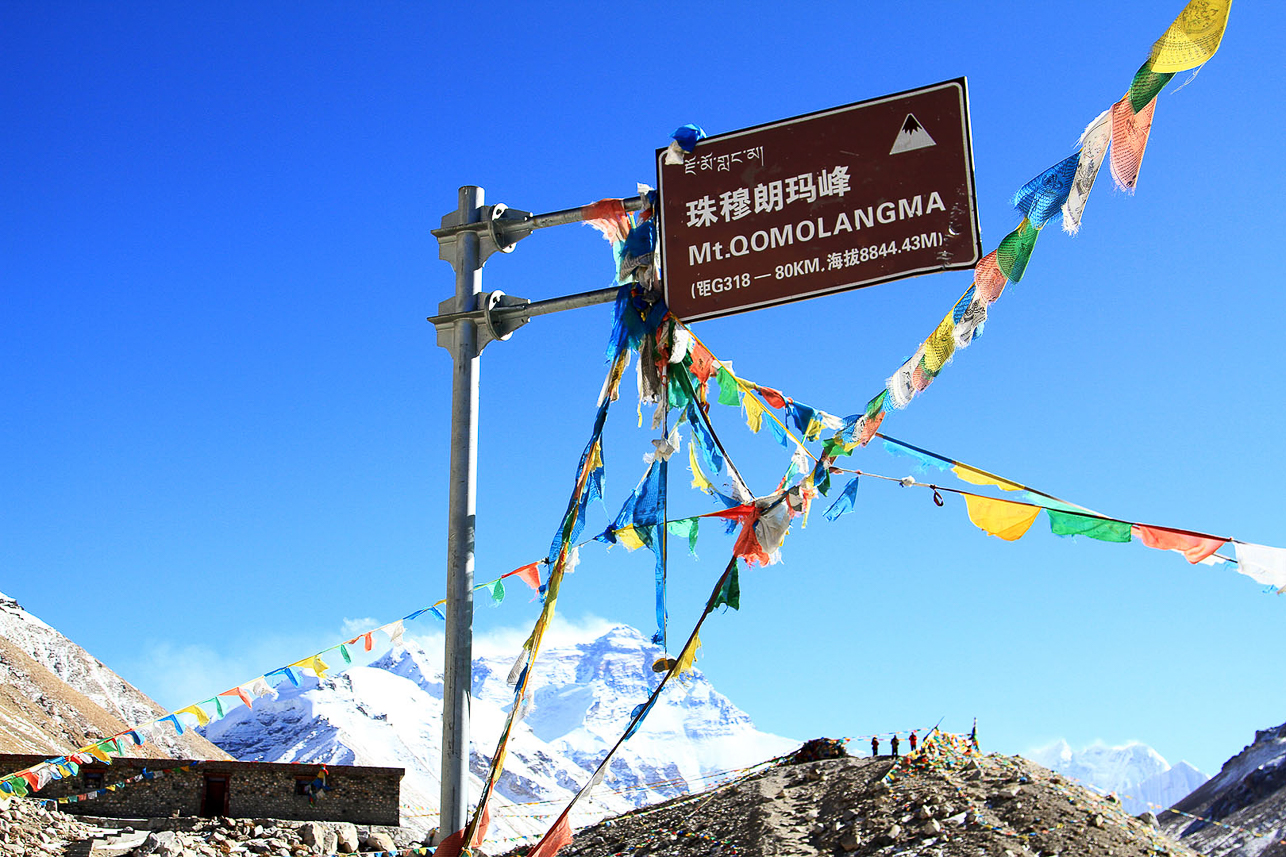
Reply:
x=226 y=432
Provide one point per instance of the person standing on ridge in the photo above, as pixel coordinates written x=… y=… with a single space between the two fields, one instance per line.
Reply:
x=893 y=742
x=875 y=746
x=912 y=739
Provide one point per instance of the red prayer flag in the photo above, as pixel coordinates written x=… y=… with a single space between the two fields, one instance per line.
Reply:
x=702 y=362
x=1195 y=548
x=558 y=838
x=528 y=574
x=772 y=397
x=608 y=216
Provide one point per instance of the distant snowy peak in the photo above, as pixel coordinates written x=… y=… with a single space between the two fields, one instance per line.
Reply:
x=389 y=713
x=1134 y=771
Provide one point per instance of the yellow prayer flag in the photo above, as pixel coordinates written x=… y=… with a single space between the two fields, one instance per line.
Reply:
x=689 y=656
x=628 y=537
x=754 y=412
x=699 y=479
x=940 y=345
x=977 y=477
x=195 y=710
x=98 y=753
x=1001 y=518
x=1193 y=38
x=315 y=663
x=595 y=457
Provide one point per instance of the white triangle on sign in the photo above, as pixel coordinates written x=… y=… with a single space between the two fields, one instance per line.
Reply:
x=912 y=136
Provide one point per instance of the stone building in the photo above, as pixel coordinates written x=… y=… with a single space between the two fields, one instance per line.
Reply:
x=160 y=788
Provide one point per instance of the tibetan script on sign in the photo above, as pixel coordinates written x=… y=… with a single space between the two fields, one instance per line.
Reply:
x=836 y=200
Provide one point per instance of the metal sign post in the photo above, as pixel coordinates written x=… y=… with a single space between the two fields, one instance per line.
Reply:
x=466 y=323
x=803 y=207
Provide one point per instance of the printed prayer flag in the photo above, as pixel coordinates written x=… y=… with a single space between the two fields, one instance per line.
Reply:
x=1043 y=197
x=988 y=279
x=1193 y=38
x=1094 y=141
x=1129 y=141
x=940 y=345
x=1070 y=524
x=1146 y=85
x=1001 y=518
x=1014 y=251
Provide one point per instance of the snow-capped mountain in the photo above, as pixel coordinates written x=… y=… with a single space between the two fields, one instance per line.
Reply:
x=56 y=697
x=389 y=713
x=1246 y=797
x=1139 y=775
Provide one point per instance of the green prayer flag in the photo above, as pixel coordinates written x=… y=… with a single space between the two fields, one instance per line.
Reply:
x=679 y=393
x=1069 y=524
x=730 y=592
x=343 y=651
x=876 y=404
x=728 y=394
x=1145 y=86
x=1015 y=250
x=685 y=527
x=498 y=591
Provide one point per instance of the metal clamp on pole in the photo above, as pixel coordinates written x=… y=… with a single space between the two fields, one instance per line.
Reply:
x=497 y=327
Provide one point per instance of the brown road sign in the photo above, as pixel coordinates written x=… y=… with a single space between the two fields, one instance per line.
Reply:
x=836 y=200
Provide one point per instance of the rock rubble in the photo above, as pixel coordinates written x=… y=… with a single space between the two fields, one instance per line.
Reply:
x=27 y=829
x=957 y=807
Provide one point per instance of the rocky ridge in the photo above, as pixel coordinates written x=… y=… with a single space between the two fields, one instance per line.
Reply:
x=56 y=697
x=979 y=805
x=1241 y=811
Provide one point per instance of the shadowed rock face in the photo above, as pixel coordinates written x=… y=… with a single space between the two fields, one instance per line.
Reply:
x=1241 y=811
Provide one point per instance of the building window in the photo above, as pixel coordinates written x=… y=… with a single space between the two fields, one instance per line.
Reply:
x=93 y=779
x=303 y=785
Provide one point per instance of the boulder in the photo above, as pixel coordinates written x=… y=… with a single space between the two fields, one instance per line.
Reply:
x=346 y=838
x=313 y=834
x=378 y=840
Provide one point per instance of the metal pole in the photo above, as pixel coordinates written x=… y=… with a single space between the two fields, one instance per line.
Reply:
x=466 y=238
x=462 y=505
